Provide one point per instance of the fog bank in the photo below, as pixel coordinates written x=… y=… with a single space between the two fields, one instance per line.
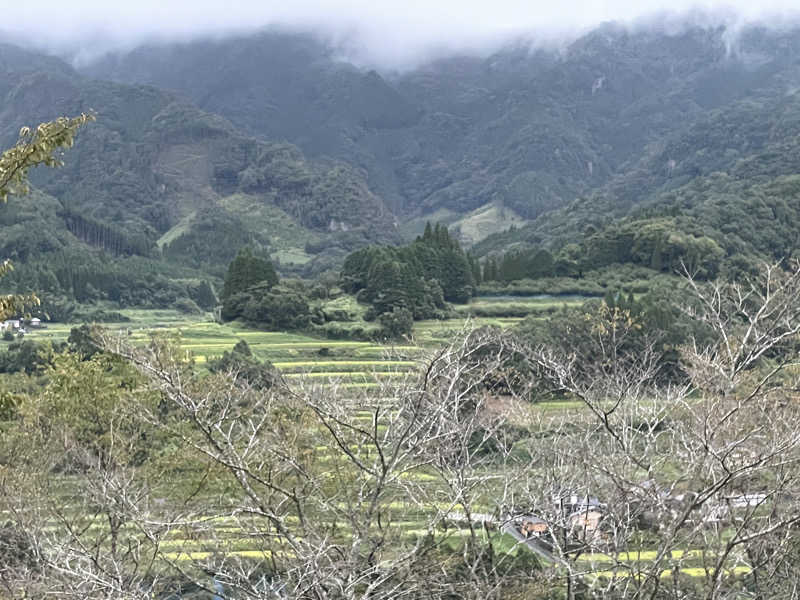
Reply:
x=389 y=34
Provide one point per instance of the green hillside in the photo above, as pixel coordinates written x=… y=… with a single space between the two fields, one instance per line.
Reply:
x=159 y=182
x=625 y=147
x=531 y=129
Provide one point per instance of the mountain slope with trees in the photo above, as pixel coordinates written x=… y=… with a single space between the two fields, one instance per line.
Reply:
x=624 y=147
x=153 y=192
x=728 y=182
x=528 y=130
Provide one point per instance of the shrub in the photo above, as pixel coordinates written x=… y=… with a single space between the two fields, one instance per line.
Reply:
x=397 y=323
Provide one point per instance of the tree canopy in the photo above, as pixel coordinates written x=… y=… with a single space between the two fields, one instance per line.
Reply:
x=247 y=270
x=418 y=277
x=34 y=147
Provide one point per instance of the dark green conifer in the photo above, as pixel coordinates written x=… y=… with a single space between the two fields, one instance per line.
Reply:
x=247 y=270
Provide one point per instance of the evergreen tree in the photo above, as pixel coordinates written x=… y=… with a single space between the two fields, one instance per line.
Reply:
x=245 y=368
x=475 y=267
x=397 y=323
x=204 y=295
x=489 y=269
x=541 y=264
x=656 y=261
x=247 y=270
x=631 y=303
x=428 y=235
x=243 y=348
x=418 y=277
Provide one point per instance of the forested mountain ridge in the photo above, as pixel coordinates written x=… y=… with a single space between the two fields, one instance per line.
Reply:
x=729 y=176
x=622 y=146
x=528 y=129
x=157 y=178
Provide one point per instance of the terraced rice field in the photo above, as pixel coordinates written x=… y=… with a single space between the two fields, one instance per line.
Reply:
x=347 y=364
x=209 y=538
x=298 y=354
x=355 y=364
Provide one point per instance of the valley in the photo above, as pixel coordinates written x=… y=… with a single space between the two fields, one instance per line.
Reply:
x=521 y=323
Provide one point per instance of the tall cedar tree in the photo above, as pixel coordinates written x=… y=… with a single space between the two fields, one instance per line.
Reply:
x=418 y=277
x=247 y=270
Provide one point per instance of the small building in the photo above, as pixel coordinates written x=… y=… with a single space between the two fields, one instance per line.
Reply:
x=586 y=522
x=532 y=526
x=10 y=324
x=35 y=322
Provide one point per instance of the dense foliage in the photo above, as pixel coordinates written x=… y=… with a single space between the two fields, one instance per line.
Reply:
x=419 y=277
x=658 y=244
x=241 y=365
x=245 y=271
x=252 y=293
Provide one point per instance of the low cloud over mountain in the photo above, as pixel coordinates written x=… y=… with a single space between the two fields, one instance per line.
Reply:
x=391 y=34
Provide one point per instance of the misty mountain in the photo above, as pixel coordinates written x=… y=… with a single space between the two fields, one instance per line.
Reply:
x=528 y=129
x=158 y=170
x=274 y=140
x=727 y=170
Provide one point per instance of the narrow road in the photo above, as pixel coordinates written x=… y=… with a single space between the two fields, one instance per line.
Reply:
x=532 y=543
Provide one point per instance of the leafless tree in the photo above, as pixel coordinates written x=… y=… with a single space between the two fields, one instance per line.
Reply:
x=322 y=487
x=700 y=472
x=639 y=485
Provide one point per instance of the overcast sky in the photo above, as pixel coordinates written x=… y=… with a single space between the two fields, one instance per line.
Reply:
x=392 y=32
